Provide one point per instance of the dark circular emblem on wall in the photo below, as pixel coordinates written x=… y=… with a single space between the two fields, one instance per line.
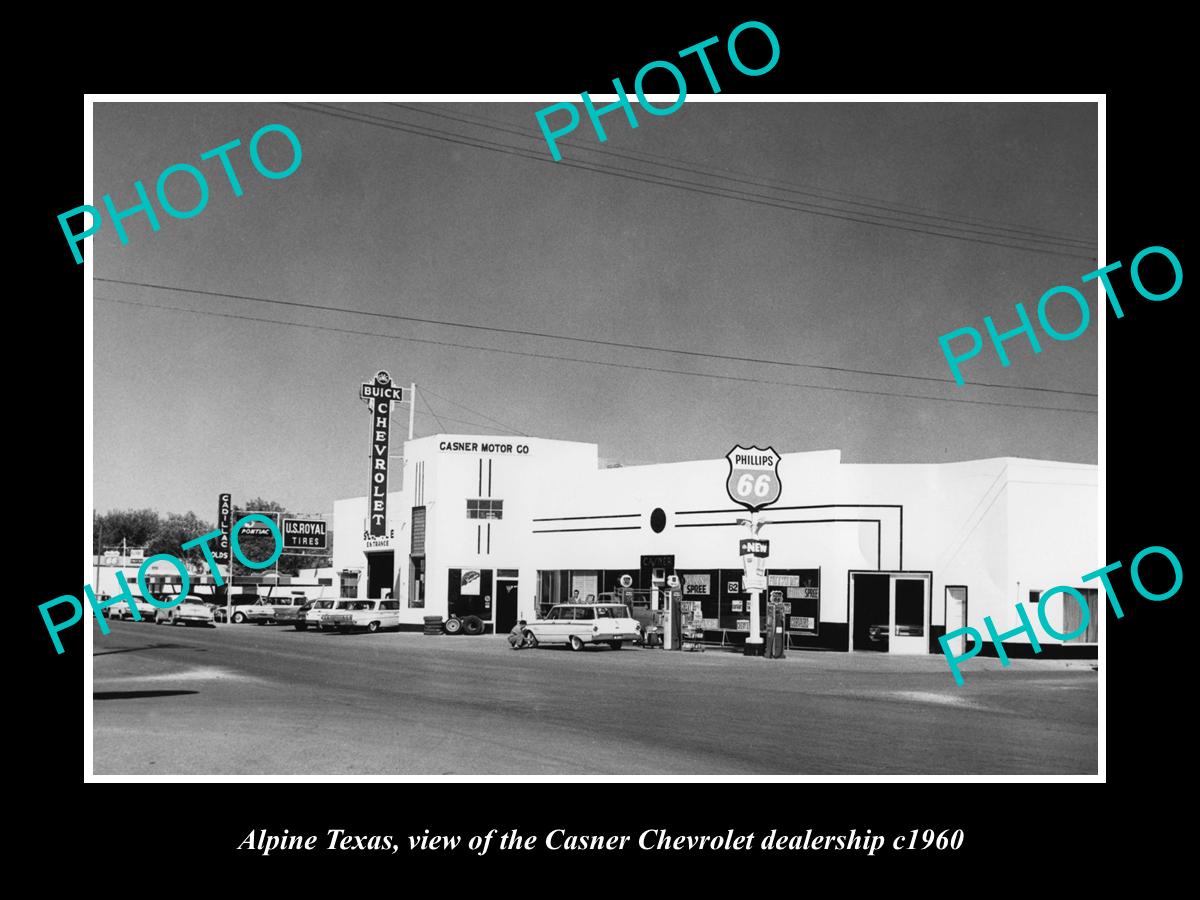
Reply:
x=658 y=521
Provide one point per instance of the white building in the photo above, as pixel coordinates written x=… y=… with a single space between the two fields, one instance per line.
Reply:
x=496 y=526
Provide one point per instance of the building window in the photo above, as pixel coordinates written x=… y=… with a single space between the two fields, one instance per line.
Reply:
x=485 y=509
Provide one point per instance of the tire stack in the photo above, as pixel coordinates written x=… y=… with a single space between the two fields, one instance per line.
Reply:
x=433 y=624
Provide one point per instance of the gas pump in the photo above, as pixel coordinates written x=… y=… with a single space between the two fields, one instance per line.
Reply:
x=776 y=637
x=658 y=588
x=672 y=595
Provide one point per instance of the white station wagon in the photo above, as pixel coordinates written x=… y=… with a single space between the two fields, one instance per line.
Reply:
x=365 y=615
x=585 y=623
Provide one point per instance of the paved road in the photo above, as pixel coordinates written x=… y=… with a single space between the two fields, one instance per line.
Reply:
x=255 y=700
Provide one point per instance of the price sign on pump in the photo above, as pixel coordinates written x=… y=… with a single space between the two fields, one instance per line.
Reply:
x=753 y=477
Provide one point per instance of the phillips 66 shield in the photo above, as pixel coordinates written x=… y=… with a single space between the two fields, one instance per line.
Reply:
x=753 y=477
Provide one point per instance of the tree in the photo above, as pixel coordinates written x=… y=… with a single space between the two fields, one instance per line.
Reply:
x=175 y=531
x=135 y=526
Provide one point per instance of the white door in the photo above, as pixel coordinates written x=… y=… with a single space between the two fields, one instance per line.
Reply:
x=908 y=599
x=956 y=617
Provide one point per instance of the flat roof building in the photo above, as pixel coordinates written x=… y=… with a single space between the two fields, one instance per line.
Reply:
x=500 y=527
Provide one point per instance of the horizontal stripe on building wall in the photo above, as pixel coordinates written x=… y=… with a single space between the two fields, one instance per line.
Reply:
x=738 y=509
x=581 y=518
x=597 y=528
x=775 y=522
x=897 y=506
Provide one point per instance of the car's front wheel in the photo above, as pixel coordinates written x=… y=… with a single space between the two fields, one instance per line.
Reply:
x=373 y=627
x=576 y=642
x=530 y=639
x=239 y=618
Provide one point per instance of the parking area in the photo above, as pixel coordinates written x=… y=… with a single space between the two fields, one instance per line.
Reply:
x=262 y=700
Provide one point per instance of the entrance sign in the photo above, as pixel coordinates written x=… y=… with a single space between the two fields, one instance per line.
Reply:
x=380 y=395
x=303 y=533
x=753 y=480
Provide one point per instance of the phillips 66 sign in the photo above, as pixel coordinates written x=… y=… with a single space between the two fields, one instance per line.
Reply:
x=753 y=477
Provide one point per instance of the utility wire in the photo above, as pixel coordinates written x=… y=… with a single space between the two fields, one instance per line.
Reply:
x=773 y=183
x=459 y=421
x=698 y=169
x=431 y=412
x=477 y=412
x=595 y=362
x=560 y=337
x=660 y=180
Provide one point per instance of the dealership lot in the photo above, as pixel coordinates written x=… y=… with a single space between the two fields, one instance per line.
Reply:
x=260 y=700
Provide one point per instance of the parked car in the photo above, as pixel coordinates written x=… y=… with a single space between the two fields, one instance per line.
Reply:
x=362 y=615
x=649 y=620
x=192 y=611
x=121 y=610
x=310 y=614
x=585 y=623
x=248 y=608
x=881 y=634
x=287 y=608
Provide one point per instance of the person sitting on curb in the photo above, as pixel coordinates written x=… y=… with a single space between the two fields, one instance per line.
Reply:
x=516 y=637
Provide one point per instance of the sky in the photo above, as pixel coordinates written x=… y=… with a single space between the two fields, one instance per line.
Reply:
x=385 y=215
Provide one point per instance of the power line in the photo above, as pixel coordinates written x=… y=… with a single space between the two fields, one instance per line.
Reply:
x=476 y=412
x=560 y=337
x=459 y=421
x=595 y=362
x=790 y=188
x=660 y=180
x=697 y=187
x=651 y=158
x=431 y=412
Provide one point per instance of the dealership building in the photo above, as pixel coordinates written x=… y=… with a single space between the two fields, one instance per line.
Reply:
x=500 y=527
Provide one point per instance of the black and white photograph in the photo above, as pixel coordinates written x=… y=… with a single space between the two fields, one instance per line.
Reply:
x=620 y=436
